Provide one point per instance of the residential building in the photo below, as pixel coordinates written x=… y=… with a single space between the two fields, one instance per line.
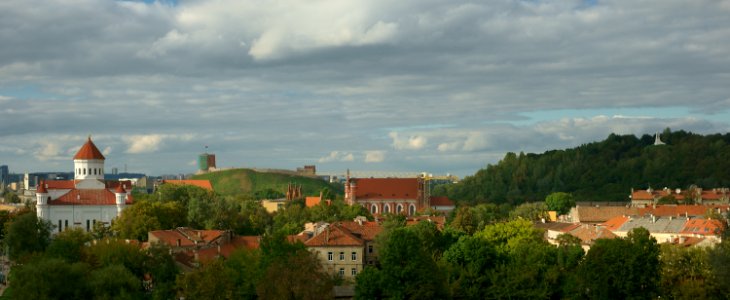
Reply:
x=191 y=247
x=87 y=199
x=695 y=195
x=667 y=229
x=340 y=250
x=598 y=214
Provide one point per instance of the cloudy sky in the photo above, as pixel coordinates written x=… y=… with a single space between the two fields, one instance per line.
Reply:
x=442 y=86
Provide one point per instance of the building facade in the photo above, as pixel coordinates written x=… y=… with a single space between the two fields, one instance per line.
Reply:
x=87 y=199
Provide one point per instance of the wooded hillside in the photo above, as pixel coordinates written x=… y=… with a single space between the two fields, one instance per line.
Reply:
x=601 y=171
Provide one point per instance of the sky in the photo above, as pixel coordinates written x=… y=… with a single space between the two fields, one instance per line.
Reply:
x=438 y=86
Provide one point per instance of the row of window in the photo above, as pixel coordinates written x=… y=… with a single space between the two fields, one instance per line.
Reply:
x=398 y=209
x=353 y=272
x=95 y=171
x=89 y=223
x=330 y=256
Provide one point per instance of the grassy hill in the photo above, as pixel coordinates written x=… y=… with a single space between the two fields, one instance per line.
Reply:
x=247 y=181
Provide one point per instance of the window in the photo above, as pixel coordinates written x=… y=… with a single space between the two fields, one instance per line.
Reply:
x=88 y=225
x=342 y=272
x=354 y=256
x=374 y=209
x=370 y=248
x=342 y=255
x=386 y=208
x=329 y=256
x=65 y=224
x=84 y=171
x=59 y=226
x=353 y=272
x=411 y=210
x=94 y=171
x=399 y=208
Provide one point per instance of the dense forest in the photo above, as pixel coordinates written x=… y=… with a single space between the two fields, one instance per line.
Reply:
x=601 y=171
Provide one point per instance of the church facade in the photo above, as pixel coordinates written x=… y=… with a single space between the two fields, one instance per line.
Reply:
x=86 y=200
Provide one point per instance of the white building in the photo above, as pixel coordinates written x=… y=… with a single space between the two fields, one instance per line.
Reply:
x=87 y=199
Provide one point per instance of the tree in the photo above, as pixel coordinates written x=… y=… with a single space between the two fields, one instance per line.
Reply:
x=299 y=275
x=49 y=278
x=560 y=202
x=686 y=273
x=161 y=267
x=116 y=252
x=211 y=281
x=621 y=268
x=506 y=236
x=145 y=216
x=469 y=262
x=68 y=244
x=530 y=211
x=247 y=272
x=407 y=270
x=465 y=220
x=369 y=284
x=114 y=282
x=27 y=234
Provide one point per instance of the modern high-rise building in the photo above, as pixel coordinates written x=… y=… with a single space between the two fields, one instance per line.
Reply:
x=4 y=175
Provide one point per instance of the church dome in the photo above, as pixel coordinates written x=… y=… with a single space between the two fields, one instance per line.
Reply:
x=89 y=151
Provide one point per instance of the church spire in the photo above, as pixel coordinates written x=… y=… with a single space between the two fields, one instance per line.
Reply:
x=658 y=140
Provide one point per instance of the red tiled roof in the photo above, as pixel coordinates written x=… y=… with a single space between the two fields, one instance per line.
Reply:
x=440 y=221
x=89 y=151
x=441 y=201
x=557 y=226
x=367 y=231
x=679 y=210
x=60 y=184
x=312 y=201
x=646 y=195
x=186 y=236
x=386 y=188
x=703 y=227
x=334 y=236
x=591 y=214
x=225 y=250
x=297 y=238
x=88 y=197
x=589 y=233
x=120 y=189
x=205 y=184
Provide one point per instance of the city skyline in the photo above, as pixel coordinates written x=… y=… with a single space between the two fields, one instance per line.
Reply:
x=435 y=86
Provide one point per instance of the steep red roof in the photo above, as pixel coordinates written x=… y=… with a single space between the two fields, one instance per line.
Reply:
x=120 y=189
x=386 y=188
x=88 y=197
x=441 y=201
x=41 y=188
x=186 y=236
x=334 y=236
x=589 y=233
x=592 y=214
x=615 y=223
x=89 y=151
x=205 y=184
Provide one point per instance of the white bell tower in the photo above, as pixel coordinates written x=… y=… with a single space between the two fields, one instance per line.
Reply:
x=89 y=162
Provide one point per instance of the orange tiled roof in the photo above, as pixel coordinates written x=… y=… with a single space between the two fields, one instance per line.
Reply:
x=441 y=201
x=88 y=197
x=41 y=188
x=334 y=235
x=703 y=227
x=386 y=188
x=312 y=201
x=615 y=223
x=89 y=151
x=205 y=184
x=225 y=250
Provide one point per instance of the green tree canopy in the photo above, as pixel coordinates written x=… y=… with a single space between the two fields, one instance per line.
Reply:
x=560 y=202
x=27 y=234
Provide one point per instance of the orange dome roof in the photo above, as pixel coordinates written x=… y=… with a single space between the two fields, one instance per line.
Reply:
x=89 y=151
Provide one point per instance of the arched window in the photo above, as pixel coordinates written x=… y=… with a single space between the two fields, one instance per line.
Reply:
x=373 y=209
x=411 y=210
x=386 y=208
x=94 y=171
x=399 y=208
x=84 y=171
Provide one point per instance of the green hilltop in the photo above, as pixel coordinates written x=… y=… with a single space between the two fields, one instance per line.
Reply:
x=250 y=182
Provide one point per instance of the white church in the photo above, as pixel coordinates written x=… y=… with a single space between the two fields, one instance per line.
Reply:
x=87 y=199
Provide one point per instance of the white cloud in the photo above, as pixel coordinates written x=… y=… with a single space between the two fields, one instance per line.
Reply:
x=143 y=143
x=374 y=156
x=413 y=142
x=107 y=151
x=337 y=156
x=48 y=151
